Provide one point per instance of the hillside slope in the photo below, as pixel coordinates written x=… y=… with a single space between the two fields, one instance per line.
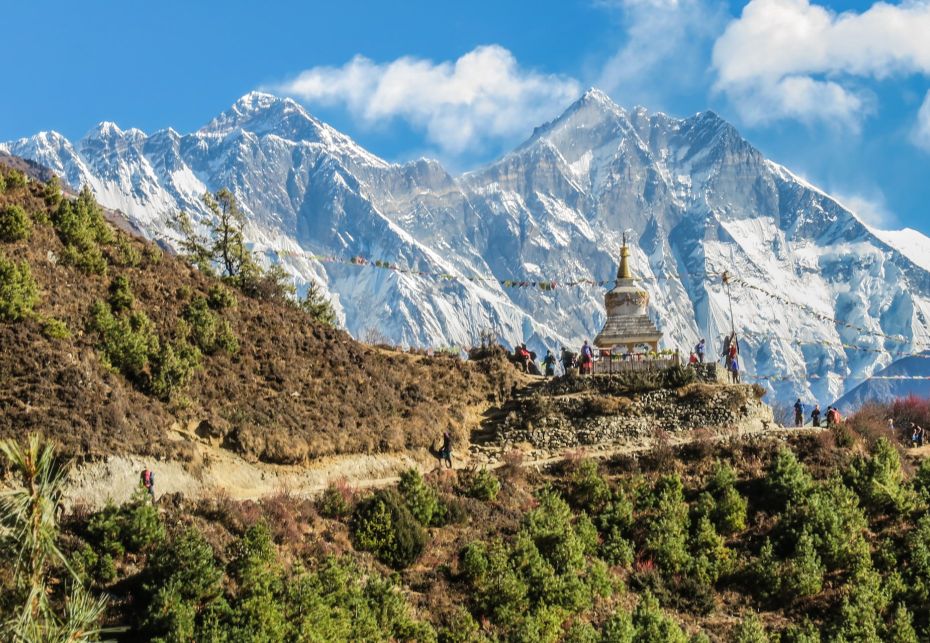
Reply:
x=292 y=389
x=697 y=196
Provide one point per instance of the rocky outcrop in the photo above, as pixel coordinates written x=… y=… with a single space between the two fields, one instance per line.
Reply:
x=595 y=417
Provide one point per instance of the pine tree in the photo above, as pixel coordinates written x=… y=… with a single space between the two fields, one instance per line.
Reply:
x=318 y=306
x=228 y=238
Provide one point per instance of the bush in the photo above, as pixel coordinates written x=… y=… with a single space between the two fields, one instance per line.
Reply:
x=587 y=489
x=652 y=624
x=127 y=342
x=82 y=229
x=126 y=253
x=879 y=480
x=667 y=525
x=133 y=527
x=787 y=480
x=207 y=331
x=54 y=328
x=615 y=523
x=121 y=297
x=729 y=506
x=18 y=290
x=750 y=630
x=803 y=574
x=335 y=501
x=16 y=180
x=220 y=298
x=480 y=484
x=173 y=367
x=317 y=306
x=710 y=556
x=179 y=581
x=421 y=499
x=15 y=224
x=383 y=525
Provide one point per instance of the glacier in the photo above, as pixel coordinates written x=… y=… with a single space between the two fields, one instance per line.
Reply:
x=693 y=194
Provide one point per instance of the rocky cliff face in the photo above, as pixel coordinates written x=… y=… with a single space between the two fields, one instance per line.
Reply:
x=696 y=196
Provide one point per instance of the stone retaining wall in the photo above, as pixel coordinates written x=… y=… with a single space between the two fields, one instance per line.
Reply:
x=589 y=418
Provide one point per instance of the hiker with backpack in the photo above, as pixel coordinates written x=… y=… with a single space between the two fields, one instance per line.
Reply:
x=549 y=363
x=798 y=413
x=699 y=351
x=148 y=481
x=587 y=358
x=815 y=416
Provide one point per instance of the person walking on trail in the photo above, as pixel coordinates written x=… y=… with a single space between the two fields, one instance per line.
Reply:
x=734 y=370
x=445 y=453
x=917 y=435
x=523 y=357
x=815 y=416
x=798 y=413
x=568 y=360
x=699 y=350
x=587 y=358
x=549 y=363
x=148 y=481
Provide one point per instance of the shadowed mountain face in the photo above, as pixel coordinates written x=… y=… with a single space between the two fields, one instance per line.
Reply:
x=885 y=385
x=697 y=197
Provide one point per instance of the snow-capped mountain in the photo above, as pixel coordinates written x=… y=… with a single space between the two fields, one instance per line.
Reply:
x=904 y=377
x=697 y=197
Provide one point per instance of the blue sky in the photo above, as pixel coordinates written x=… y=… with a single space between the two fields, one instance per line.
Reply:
x=838 y=92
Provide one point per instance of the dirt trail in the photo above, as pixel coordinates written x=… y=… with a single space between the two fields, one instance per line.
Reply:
x=222 y=472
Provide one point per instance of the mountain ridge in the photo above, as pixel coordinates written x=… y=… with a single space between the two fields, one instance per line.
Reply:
x=695 y=196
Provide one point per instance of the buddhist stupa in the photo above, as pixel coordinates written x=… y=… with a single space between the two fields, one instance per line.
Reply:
x=627 y=325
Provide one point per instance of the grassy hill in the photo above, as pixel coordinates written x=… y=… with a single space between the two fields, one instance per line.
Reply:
x=110 y=345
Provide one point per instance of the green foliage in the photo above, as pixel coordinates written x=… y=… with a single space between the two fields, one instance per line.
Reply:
x=383 y=525
x=803 y=574
x=318 y=306
x=15 y=224
x=54 y=328
x=421 y=499
x=730 y=507
x=918 y=550
x=831 y=515
x=652 y=624
x=334 y=502
x=257 y=614
x=667 y=524
x=208 y=331
x=587 y=489
x=750 y=630
x=615 y=524
x=18 y=290
x=125 y=253
x=132 y=527
x=2 y=182
x=16 y=180
x=82 y=229
x=52 y=192
x=460 y=627
x=480 y=484
x=710 y=557
x=879 y=480
x=130 y=345
x=901 y=628
x=787 y=479
x=34 y=607
x=121 y=297
x=618 y=628
x=677 y=376
x=220 y=298
x=180 y=580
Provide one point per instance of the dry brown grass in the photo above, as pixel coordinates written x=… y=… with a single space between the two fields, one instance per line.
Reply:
x=295 y=390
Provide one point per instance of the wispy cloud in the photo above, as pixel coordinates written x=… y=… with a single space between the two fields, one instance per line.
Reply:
x=663 y=47
x=870 y=207
x=793 y=59
x=922 y=128
x=461 y=105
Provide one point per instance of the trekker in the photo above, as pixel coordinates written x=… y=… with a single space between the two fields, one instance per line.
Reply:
x=568 y=360
x=815 y=416
x=523 y=357
x=148 y=481
x=699 y=350
x=445 y=453
x=726 y=351
x=798 y=413
x=587 y=358
x=734 y=370
x=549 y=363
x=692 y=359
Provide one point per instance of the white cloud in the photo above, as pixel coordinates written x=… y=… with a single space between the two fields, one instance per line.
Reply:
x=872 y=209
x=462 y=105
x=922 y=128
x=664 y=47
x=794 y=59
